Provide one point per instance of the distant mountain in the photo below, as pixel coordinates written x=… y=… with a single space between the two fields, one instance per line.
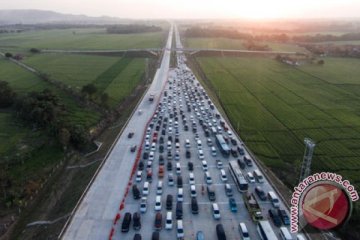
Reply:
x=40 y=16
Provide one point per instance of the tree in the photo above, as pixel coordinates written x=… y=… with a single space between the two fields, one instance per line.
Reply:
x=64 y=137
x=89 y=89
x=79 y=137
x=321 y=62
x=34 y=50
x=104 y=99
x=7 y=95
x=8 y=55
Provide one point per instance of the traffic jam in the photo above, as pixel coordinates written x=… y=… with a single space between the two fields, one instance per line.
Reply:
x=195 y=178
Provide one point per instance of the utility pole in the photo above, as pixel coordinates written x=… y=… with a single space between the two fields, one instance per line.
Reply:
x=306 y=165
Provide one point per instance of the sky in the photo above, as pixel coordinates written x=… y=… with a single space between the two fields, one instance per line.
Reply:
x=254 y=9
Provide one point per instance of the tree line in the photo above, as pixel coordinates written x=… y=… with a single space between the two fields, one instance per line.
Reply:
x=44 y=110
x=132 y=28
x=282 y=37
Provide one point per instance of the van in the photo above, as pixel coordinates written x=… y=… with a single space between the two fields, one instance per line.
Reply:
x=157 y=203
x=136 y=221
x=244 y=231
x=216 y=211
x=220 y=233
x=207 y=178
x=274 y=199
x=192 y=191
x=179 y=229
x=194 y=206
x=169 y=202
x=168 y=222
x=258 y=176
x=159 y=188
x=285 y=234
x=178 y=168
x=180 y=195
x=211 y=192
x=223 y=175
x=145 y=191
x=179 y=210
x=126 y=222
x=228 y=190
x=250 y=177
x=213 y=151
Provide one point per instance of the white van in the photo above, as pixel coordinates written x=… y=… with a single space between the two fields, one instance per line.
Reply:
x=285 y=234
x=180 y=195
x=216 y=211
x=258 y=175
x=250 y=177
x=168 y=222
x=145 y=191
x=178 y=168
x=274 y=199
x=179 y=229
x=159 y=188
x=223 y=175
x=244 y=231
x=158 y=203
x=213 y=151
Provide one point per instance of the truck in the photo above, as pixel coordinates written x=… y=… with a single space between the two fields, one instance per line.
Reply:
x=151 y=98
x=252 y=206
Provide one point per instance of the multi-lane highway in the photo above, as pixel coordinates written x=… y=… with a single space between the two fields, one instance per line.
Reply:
x=182 y=102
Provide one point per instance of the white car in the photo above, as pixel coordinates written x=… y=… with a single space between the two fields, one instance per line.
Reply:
x=168 y=221
x=191 y=178
x=193 y=191
x=171 y=179
x=201 y=154
x=143 y=204
x=204 y=165
x=219 y=164
x=216 y=211
x=138 y=176
x=207 y=177
x=223 y=175
x=158 y=203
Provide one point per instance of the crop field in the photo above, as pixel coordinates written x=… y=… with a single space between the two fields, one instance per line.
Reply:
x=86 y=38
x=274 y=107
x=114 y=75
x=226 y=43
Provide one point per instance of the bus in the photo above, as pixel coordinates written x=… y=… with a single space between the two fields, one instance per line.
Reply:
x=223 y=146
x=265 y=230
x=239 y=179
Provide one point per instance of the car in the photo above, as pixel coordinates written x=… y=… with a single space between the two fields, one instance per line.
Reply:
x=228 y=190
x=169 y=166
x=244 y=233
x=179 y=181
x=219 y=164
x=125 y=226
x=143 y=204
x=191 y=178
x=179 y=229
x=201 y=154
x=275 y=217
x=161 y=172
x=193 y=191
x=133 y=148
x=158 y=203
x=131 y=134
x=179 y=210
x=223 y=175
x=232 y=205
x=188 y=154
x=216 y=211
x=250 y=177
x=171 y=179
x=209 y=142
x=136 y=192
x=284 y=216
x=158 y=221
x=204 y=165
x=190 y=166
x=136 y=221
x=180 y=195
x=159 y=188
x=161 y=148
x=137 y=236
x=220 y=232
x=169 y=202
x=178 y=168
x=138 y=176
x=194 y=206
x=168 y=221
x=141 y=165
x=149 y=175
x=145 y=191
x=200 y=235
x=261 y=193
x=234 y=152
x=208 y=178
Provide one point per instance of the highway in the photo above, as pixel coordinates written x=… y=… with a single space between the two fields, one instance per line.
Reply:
x=93 y=218
x=94 y=215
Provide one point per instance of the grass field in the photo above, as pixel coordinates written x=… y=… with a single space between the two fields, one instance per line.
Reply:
x=93 y=38
x=114 y=75
x=276 y=106
x=226 y=43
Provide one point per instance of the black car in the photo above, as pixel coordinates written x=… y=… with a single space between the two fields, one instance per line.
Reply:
x=145 y=155
x=194 y=206
x=241 y=163
x=179 y=181
x=136 y=192
x=169 y=202
x=141 y=165
x=126 y=222
x=179 y=210
x=233 y=141
x=137 y=236
x=220 y=233
x=234 y=152
x=155 y=236
x=260 y=192
x=161 y=160
x=190 y=166
x=248 y=161
x=169 y=166
x=133 y=148
x=161 y=140
x=284 y=216
x=275 y=217
x=136 y=221
x=241 y=150
x=186 y=128
x=188 y=154
x=161 y=148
